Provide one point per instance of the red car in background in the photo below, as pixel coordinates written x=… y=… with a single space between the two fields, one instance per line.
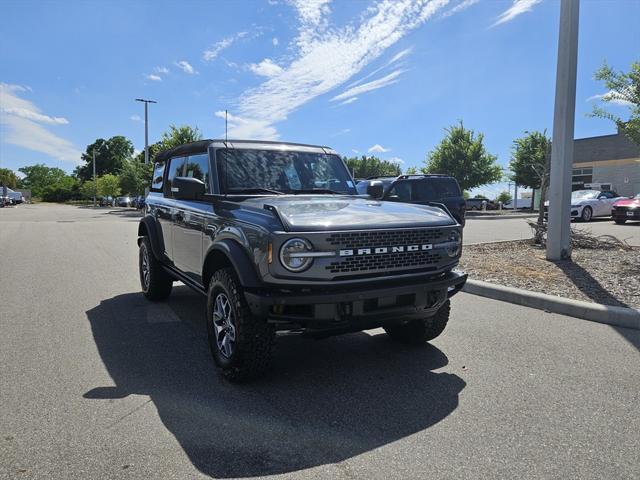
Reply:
x=626 y=209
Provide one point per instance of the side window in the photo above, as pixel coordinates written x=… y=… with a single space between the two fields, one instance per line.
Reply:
x=176 y=167
x=158 y=174
x=401 y=192
x=448 y=188
x=424 y=191
x=198 y=167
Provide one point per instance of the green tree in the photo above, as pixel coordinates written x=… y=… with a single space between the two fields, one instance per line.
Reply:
x=87 y=189
x=624 y=89
x=411 y=171
x=462 y=155
x=529 y=158
x=135 y=176
x=110 y=156
x=370 y=166
x=465 y=195
x=38 y=177
x=504 y=197
x=173 y=137
x=108 y=185
x=8 y=178
x=65 y=188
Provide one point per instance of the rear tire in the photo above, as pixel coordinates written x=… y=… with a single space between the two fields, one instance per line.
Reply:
x=620 y=221
x=240 y=342
x=587 y=214
x=421 y=330
x=156 y=283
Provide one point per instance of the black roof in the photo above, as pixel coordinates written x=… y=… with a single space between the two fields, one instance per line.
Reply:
x=201 y=146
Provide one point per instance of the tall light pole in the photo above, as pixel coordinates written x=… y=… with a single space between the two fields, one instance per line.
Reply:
x=146 y=127
x=559 y=230
x=95 y=186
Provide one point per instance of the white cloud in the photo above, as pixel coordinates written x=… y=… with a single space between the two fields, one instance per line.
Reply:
x=241 y=128
x=344 y=131
x=161 y=70
x=154 y=78
x=369 y=86
x=459 y=7
x=517 y=8
x=355 y=151
x=186 y=67
x=348 y=101
x=400 y=55
x=325 y=58
x=275 y=41
x=611 y=97
x=266 y=68
x=377 y=148
x=397 y=160
x=214 y=50
x=23 y=121
x=135 y=118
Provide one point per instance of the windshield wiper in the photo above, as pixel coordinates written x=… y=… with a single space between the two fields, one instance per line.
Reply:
x=254 y=190
x=315 y=190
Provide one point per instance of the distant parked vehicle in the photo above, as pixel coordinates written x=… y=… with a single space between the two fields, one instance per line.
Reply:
x=123 y=201
x=138 y=202
x=586 y=204
x=518 y=203
x=476 y=204
x=16 y=198
x=105 y=201
x=626 y=209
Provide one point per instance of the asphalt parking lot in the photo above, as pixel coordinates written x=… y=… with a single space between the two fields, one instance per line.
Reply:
x=96 y=382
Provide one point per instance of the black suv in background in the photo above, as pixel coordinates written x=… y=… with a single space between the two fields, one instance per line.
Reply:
x=425 y=189
x=277 y=238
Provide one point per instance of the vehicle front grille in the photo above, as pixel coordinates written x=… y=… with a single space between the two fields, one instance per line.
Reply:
x=426 y=260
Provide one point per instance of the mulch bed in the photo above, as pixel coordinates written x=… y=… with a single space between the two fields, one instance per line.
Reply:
x=610 y=277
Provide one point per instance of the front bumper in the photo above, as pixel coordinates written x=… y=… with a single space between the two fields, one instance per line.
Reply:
x=626 y=213
x=356 y=308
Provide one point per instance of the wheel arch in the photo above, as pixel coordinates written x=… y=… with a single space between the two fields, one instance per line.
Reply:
x=147 y=228
x=230 y=254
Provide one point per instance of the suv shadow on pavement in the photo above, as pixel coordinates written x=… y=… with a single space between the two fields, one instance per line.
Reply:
x=331 y=400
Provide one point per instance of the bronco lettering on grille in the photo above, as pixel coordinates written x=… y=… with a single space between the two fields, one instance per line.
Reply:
x=382 y=250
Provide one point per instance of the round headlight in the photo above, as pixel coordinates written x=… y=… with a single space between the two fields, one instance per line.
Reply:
x=453 y=250
x=292 y=254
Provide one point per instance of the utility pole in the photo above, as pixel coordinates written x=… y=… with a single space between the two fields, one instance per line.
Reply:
x=146 y=127
x=95 y=186
x=515 y=196
x=559 y=229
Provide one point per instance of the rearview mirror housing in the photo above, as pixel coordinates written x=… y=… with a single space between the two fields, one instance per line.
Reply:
x=375 y=190
x=187 y=188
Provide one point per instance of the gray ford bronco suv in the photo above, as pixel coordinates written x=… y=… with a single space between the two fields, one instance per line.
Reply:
x=277 y=238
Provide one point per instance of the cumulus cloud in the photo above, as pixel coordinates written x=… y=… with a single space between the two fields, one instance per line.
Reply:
x=517 y=8
x=23 y=121
x=186 y=67
x=265 y=68
x=325 y=58
x=275 y=41
x=162 y=70
x=154 y=78
x=242 y=128
x=135 y=118
x=397 y=160
x=377 y=148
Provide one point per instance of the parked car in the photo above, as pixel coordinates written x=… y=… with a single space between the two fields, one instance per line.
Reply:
x=123 y=201
x=248 y=228
x=105 y=201
x=587 y=204
x=16 y=198
x=138 y=202
x=626 y=209
x=426 y=189
x=476 y=204
x=517 y=203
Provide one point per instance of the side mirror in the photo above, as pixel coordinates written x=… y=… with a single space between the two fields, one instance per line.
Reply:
x=375 y=190
x=187 y=188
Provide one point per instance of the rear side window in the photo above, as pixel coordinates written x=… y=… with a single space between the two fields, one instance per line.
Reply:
x=176 y=167
x=197 y=166
x=447 y=188
x=158 y=174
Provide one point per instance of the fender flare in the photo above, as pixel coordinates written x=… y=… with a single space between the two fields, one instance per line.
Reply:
x=148 y=225
x=239 y=260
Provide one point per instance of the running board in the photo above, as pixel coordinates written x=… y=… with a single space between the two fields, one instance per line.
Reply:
x=189 y=282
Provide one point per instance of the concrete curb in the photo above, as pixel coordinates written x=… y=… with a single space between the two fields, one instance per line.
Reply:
x=594 y=312
x=498 y=217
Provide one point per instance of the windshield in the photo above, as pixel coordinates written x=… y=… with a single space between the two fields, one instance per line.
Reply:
x=253 y=171
x=584 y=194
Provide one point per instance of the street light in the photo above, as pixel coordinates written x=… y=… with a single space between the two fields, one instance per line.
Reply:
x=146 y=127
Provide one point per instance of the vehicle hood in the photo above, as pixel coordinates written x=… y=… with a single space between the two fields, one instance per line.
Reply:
x=306 y=213
x=627 y=202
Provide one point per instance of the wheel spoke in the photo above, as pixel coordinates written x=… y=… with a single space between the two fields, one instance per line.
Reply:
x=224 y=325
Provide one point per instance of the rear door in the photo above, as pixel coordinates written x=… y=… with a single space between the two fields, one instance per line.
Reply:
x=167 y=208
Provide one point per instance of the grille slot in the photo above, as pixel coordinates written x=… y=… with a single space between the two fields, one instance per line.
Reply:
x=387 y=238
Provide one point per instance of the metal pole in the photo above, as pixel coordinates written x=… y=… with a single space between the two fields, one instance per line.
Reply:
x=146 y=133
x=515 y=196
x=94 y=178
x=559 y=229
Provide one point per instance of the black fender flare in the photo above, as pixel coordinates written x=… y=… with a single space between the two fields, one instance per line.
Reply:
x=239 y=260
x=147 y=227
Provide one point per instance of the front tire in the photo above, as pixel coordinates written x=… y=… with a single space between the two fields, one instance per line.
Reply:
x=421 y=330
x=156 y=283
x=587 y=214
x=241 y=343
x=620 y=221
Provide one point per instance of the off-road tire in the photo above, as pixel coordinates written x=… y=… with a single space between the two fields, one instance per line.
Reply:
x=254 y=337
x=620 y=221
x=586 y=218
x=159 y=284
x=421 y=330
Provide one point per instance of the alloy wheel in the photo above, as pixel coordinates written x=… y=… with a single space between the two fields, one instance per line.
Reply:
x=224 y=325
